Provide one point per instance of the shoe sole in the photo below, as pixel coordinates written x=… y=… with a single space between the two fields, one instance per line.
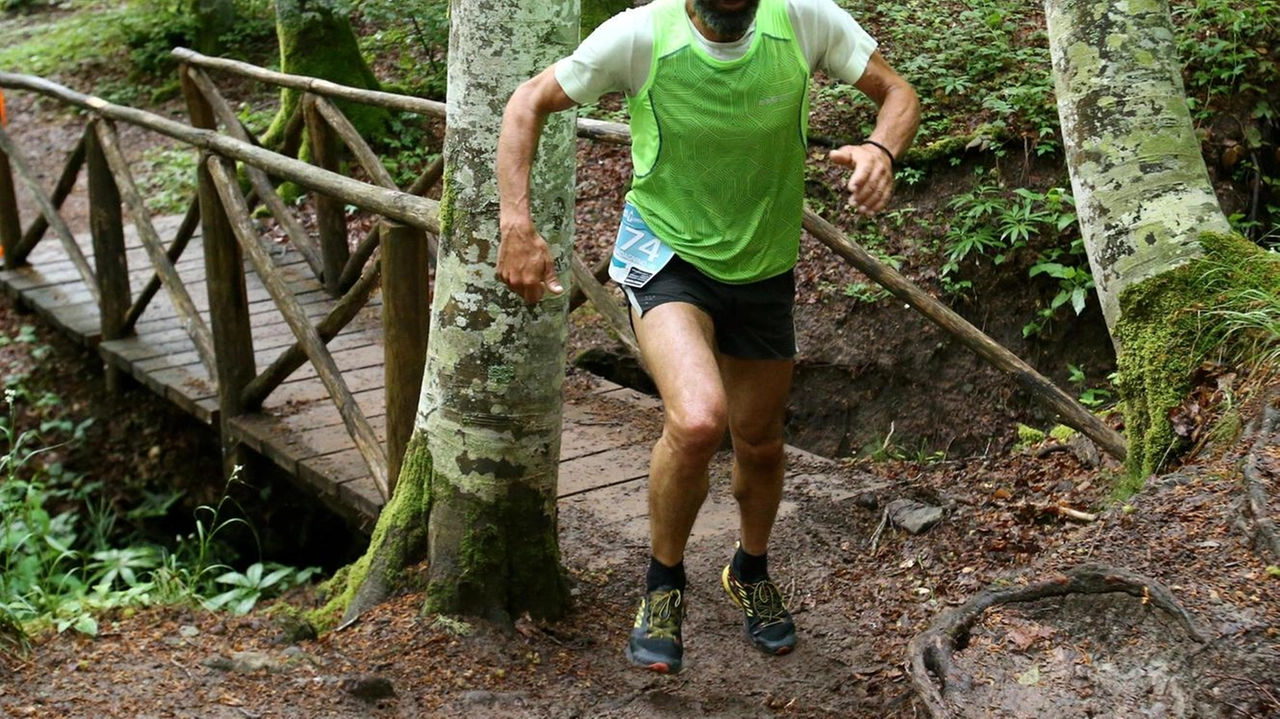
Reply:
x=659 y=667
x=724 y=582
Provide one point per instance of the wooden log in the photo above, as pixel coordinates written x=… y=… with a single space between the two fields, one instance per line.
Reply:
x=331 y=216
x=364 y=154
x=294 y=129
x=66 y=183
x=189 y=316
x=227 y=294
x=20 y=165
x=190 y=221
x=405 y=313
x=262 y=185
x=228 y=314
x=613 y=313
x=295 y=356
x=356 y=423
x=10 y=219
x=367 y=246
x=601 y=272
x=388 y=100
x=106 y=224
x=608 y=132
x=414 y=211
x=1073 y=414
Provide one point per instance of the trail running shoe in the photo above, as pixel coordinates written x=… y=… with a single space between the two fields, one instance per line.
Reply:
x=655 y=641
x=766 y=620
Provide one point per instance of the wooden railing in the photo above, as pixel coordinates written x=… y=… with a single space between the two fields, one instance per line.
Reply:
x=225 y=345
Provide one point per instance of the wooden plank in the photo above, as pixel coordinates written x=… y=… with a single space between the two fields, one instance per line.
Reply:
x=583 y=435
x=603 y=469
x=343 y=314
x=307 y=391
x=322 y=413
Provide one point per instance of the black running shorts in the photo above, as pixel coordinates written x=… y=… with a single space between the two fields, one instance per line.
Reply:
x=752 y=321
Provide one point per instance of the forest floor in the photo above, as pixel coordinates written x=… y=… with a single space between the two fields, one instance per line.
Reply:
x=860 y=590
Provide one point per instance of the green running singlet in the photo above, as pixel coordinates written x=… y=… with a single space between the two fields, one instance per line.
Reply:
x=719 y=146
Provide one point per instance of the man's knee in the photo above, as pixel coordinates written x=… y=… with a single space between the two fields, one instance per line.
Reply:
x=697 y=431
x=762 y=453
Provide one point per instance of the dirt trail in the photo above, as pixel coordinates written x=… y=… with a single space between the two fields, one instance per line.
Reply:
x=860 y=592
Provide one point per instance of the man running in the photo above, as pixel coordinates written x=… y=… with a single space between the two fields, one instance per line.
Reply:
x=718 y=98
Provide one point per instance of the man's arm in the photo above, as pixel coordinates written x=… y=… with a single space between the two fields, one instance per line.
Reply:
x=871 y=185
x=524 y=259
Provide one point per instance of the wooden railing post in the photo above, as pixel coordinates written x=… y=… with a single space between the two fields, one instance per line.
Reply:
x=406 y=306
x=228 y=296
x=331 y=220
x=10 y=220
x=106 y=224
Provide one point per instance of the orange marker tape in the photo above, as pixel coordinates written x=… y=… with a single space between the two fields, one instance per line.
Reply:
x=3 y=120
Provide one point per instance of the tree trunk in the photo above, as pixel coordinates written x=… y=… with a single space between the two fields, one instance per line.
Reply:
x=491 y=404
x=481 y=466
x=1141 y=188
x=213 y=19
x=1157 y=239
x=316 y=40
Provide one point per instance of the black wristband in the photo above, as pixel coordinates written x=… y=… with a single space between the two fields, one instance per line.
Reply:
x=883 y=149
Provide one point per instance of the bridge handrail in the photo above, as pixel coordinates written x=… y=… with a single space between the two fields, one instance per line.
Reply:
x=419 y=212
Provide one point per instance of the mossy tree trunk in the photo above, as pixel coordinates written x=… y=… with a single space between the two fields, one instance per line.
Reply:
x=316 y=40
x=480 y=472
x=1144 y=199
x=213 y=19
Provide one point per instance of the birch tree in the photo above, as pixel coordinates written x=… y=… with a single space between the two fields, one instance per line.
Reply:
x=1158 y=242
x=477 y=493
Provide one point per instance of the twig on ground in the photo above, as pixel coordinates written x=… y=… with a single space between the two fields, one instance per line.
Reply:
x=875 y=536
x=1076 y=514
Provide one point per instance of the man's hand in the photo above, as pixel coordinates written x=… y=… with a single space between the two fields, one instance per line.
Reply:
x=524 y=262
x=871 y=185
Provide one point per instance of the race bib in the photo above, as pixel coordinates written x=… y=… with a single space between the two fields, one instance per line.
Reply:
x=638 y=254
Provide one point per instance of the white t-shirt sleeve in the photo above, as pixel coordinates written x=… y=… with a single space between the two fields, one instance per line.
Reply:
x=831 y=39
x=611 y=59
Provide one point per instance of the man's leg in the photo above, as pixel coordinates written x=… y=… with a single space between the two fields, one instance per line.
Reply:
x=677 y=342
x=757 y=397
x=757 y=392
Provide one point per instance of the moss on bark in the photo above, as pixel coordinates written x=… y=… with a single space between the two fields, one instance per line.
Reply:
x=316 y=40
x=399 y=541
x=1171 y=324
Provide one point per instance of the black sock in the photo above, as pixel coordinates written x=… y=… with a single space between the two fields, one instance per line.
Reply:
x=749 y=568
x=660 y=575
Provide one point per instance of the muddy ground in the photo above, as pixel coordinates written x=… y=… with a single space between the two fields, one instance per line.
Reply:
x=874 y=375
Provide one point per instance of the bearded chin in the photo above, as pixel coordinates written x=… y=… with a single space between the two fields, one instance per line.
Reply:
x=727 y=23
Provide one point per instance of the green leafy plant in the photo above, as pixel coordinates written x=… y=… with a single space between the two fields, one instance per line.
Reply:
x=1092 y=397
x=255 y=583
x=167 y=178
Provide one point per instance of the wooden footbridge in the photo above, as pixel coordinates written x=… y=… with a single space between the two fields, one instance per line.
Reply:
x=307 y=351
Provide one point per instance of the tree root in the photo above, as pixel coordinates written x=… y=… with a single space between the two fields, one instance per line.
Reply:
x=1266 y=538
x=931 y=652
